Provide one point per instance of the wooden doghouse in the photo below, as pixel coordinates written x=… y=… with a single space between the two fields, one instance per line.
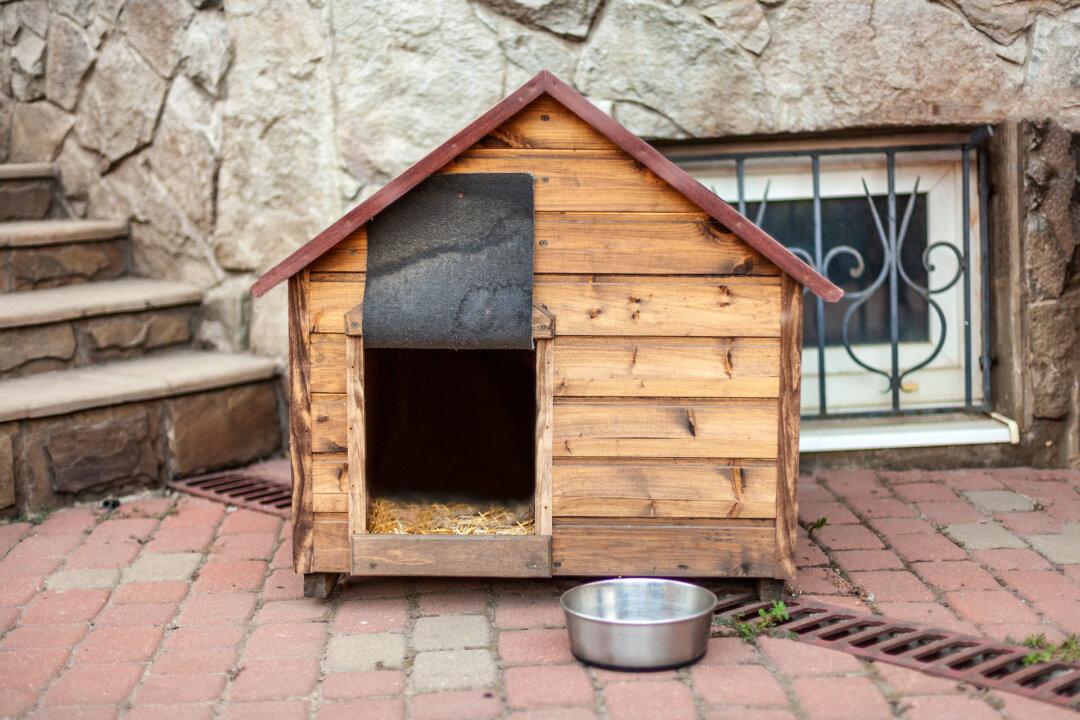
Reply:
x=547 y=307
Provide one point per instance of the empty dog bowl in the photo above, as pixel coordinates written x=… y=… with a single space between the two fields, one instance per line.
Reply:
x=638 y=623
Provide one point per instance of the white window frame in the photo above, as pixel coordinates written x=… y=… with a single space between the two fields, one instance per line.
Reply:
x=850 y=388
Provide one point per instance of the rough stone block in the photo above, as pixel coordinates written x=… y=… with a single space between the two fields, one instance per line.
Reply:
x=7 y=466
x=44 y=266
x=29 y=199
x=119 y=105
x=111 y=336
x=69 y=56
x=36 y=349
x=226 y=427
x=105 y=447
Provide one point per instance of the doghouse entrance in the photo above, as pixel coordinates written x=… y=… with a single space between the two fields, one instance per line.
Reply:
x=450 y=441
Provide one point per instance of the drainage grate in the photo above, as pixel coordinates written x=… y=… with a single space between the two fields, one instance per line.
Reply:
x=264 y=486
x=947 y=654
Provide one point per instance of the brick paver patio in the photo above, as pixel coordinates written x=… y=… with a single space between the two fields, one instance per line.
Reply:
x=177 y=608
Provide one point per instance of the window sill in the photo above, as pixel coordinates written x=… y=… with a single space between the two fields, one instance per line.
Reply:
x=845 y=434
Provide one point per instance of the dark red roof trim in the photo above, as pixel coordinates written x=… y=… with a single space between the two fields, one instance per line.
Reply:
x=545 y=82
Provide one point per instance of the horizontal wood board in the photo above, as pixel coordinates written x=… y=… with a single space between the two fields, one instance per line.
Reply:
x=722 y=428
x=666 y=367
x=618 y=243
x=545 y=123
x=659 y=548
x=665 y=428
x=579 y=179
x=667 y=487
x=608 y=305
x=452 y=555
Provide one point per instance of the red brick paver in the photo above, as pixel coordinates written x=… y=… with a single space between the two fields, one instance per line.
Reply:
x=234 y=638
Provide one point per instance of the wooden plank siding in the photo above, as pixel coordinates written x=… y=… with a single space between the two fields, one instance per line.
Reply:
x=589 y=180
x=666 y=371
x=663 y=547
x=546 y=123
x=667 y=367
x=666 y=487
x=665 y=428
x=702 y=306
x=609 y=243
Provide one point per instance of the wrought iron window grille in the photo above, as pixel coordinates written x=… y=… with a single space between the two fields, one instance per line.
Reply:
x=899 y=284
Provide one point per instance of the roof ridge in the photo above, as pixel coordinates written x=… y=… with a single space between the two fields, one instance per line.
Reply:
x=545 y=82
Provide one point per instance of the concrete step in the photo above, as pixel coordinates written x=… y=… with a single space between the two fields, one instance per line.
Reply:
x=82 y=325
x=37 y=254
x=76 y=433
x=28 y=191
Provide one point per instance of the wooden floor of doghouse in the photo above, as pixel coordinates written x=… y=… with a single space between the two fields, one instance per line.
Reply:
x=393 y=515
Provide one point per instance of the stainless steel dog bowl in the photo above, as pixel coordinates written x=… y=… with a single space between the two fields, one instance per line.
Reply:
x=638 y=623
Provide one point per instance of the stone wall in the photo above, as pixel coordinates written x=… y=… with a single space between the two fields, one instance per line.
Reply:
x=1051 y=267
x=231 y=132
x=53 y=461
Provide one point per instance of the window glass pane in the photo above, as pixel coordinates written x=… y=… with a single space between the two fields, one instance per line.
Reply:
x=848 y=221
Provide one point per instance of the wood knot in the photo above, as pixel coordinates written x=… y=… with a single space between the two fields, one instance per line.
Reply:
x=727 y=364
x=595 y=312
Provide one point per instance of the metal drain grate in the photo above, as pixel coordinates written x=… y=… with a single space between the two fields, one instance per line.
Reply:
x=947 y=654
x=265 y=486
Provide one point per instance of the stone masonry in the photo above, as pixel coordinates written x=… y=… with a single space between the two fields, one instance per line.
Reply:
x=108 y=450
x=231 y=132
x=228 y=133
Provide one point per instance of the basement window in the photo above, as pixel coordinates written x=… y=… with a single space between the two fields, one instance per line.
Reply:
x=450 y=441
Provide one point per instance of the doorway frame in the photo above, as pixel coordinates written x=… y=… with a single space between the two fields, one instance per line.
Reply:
x=449 y=555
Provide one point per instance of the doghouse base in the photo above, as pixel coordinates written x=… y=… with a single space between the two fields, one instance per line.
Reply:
x=319 y=585
x=577 y=550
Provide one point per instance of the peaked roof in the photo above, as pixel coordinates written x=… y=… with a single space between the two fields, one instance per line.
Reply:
x=545 y=82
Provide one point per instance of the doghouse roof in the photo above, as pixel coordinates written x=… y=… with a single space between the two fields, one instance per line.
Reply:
x=545 y=82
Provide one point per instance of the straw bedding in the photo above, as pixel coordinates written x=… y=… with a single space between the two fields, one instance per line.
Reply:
x=401 y=516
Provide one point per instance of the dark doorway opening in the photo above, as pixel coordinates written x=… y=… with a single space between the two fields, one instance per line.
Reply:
x=450 y=427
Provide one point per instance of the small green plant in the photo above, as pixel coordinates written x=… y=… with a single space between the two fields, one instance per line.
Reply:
x=37 y=518
x=766 y=619
x=1068 y=650
x=817 y=525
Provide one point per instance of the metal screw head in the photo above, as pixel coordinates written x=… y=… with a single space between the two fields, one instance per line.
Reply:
x=544 y=243
x=545 y=117
x=544 y=179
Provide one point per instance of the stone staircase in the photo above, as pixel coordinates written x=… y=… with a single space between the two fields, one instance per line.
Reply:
x=103 y=387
